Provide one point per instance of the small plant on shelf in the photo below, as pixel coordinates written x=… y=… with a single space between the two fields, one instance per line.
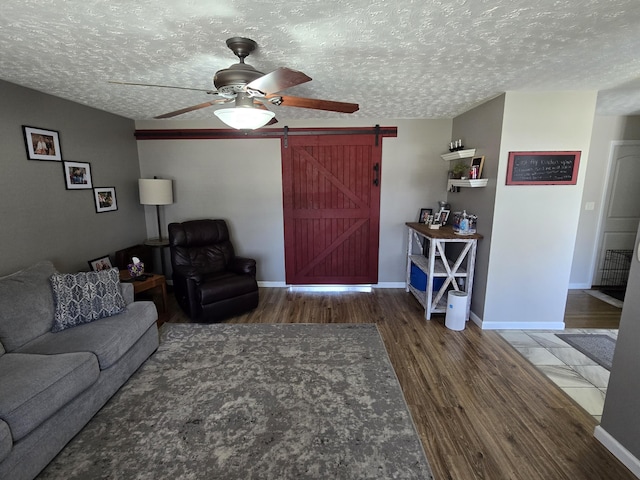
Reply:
x=459 y=170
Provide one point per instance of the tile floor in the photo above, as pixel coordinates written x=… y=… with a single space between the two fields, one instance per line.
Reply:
x=576 y=374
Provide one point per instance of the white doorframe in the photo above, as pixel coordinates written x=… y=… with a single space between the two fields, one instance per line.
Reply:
x=604 y=202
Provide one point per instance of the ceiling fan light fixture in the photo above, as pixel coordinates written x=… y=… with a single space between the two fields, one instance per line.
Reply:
x=244 y=118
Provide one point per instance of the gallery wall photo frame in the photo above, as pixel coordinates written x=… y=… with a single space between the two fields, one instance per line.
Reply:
x=543 y=168
x=42 y=144
x=105 y=198
x=77 y=175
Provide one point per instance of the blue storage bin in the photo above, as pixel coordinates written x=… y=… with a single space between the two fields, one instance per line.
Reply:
x=418 y=279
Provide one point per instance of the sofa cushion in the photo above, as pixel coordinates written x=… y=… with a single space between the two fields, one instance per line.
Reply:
x=6 y=442
x=26 y=305
x=34 y=387
x=1 y=349
x=109 y=338
x=84 y=297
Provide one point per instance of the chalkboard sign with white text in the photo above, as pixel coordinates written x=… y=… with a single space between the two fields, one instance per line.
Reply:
x=543 y=168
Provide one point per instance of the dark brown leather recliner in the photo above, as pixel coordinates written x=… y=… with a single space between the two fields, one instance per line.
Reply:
x=210 y=282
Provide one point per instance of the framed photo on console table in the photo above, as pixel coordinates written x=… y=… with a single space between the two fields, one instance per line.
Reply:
x=105 y=199
x=424 y=215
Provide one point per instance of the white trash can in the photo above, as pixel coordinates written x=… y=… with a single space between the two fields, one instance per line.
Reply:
x=456 y=316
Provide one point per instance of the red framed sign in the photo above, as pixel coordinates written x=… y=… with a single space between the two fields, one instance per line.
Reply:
x=543 y=168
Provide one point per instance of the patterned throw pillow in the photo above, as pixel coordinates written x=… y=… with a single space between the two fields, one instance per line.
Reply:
x=84 y=297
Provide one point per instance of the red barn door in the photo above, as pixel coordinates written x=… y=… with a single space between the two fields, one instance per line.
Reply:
x=331 y=188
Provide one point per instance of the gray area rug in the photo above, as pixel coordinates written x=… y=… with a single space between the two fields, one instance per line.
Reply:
x=289 y=401
x=597 y=347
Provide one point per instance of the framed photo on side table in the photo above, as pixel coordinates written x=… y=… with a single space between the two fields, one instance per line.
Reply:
x=42 y=144
x=105 y=199
x=77 y=175
x=424 y=215
x=443 y=216
x=100 y=263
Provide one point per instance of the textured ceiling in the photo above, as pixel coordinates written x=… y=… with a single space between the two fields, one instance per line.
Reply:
x=397 y=59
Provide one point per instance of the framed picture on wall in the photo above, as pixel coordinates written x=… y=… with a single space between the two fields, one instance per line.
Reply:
x=77 y=175
x=105 y=198
x=42 y=144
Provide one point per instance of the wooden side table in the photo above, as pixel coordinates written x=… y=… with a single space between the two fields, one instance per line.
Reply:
x=154 y=281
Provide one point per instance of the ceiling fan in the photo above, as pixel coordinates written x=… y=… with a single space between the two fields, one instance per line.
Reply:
x=251 y=90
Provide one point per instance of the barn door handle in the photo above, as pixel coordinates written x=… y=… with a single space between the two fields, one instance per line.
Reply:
x=376 y=174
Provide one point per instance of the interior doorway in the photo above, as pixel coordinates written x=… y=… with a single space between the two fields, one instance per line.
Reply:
x=331 y=203
x=620 y=218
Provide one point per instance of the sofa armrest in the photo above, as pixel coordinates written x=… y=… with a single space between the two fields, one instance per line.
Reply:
x=243 y=266
x=127 y=292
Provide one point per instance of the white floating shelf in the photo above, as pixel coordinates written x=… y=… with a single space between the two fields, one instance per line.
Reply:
x=470 y=152
x=479 y=182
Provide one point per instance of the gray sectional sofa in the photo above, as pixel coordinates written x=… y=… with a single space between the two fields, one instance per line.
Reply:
x=51 y=384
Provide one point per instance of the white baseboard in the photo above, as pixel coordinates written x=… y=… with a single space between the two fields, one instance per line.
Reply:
x=522 y=325
x=271 y=284
x=266 y=284
x=484 y=325
x=579 y=286
x=330 y=288
x=476 y=319
x=390 y=285
x=618 y=451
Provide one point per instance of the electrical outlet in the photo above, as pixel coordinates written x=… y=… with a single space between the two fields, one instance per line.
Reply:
x=590 y=205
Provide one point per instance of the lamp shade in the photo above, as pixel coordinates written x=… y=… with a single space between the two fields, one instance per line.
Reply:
x=244 y=118
x=155 y=191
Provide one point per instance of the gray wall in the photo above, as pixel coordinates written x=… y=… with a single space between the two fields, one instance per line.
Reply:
x=480 y=128
x=40 y=218
x=241 y=180
x=535 y=226
x=620 y=417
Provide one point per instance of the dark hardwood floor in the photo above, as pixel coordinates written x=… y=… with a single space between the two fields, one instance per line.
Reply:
x=586 y=311
x=482 y=410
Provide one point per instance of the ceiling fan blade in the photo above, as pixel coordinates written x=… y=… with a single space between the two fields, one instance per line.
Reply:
x=316 y=104
x=191 y=109
x=163 y=86
x=278 y=80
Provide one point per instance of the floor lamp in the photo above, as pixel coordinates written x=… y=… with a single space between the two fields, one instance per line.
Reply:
x=156 y=191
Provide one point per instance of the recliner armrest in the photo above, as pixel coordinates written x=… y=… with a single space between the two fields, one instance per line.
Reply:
x=243 y=266
x=189 y=272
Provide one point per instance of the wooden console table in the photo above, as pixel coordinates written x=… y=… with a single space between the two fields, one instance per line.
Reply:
x=457 y=274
